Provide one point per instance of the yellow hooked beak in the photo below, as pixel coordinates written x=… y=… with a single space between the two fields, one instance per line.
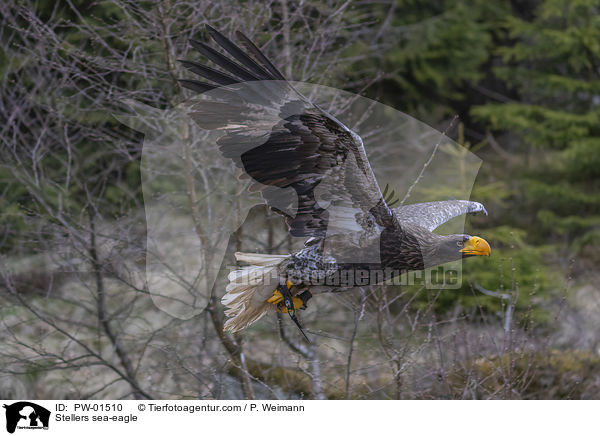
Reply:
x=477 y=246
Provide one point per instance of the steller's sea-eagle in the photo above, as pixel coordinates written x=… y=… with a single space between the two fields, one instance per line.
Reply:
x=310 y=160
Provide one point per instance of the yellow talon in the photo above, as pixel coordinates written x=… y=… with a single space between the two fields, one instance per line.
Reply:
x=276 y=298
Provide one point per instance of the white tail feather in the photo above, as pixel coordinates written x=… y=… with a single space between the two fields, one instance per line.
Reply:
x=248 y=289
x=261 y=259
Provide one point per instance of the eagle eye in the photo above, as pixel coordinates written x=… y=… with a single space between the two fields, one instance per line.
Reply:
x=460 y=244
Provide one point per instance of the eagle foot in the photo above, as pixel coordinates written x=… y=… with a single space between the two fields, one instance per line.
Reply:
x=298 y=302
x=285 y=302
x=283 y=298
x=291 y=303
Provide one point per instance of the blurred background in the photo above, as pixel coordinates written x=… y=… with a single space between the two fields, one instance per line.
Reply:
x=515 y=82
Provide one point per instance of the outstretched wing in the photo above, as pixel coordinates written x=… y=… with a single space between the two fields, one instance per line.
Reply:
x=433 y=214
x=285 y=143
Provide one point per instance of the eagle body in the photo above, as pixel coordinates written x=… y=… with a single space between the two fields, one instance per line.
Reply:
x=314 y=171
x=399 y=248
x=402 y=249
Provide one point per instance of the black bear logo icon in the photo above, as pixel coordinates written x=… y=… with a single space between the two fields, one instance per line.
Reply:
x=26 y=415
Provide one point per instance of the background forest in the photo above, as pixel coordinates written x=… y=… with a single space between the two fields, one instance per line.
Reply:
x=76 y=318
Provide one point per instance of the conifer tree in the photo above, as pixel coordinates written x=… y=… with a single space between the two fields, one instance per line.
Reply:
x=551 y=59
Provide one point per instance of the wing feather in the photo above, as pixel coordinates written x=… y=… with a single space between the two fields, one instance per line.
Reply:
x=238 y=54
x=258 y=55
x=209 y=73
x=433 y=214
x=197 y=86
x=285 y=142
x=223 y=61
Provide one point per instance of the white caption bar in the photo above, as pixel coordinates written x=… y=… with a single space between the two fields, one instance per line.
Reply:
x=297 y=417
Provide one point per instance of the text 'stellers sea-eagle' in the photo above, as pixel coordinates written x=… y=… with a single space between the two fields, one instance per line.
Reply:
x=313 y=170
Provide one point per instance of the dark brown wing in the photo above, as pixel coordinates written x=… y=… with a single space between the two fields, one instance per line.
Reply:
x=286 y=144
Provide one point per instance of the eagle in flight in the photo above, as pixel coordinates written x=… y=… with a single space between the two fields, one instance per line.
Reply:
x=313 y=170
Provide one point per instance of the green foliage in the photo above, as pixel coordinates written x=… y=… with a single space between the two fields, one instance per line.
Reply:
x=12 y=216
x=582 y=159
x=435 y=49
x=443 y=50
x=551 y=61
x=540 y=126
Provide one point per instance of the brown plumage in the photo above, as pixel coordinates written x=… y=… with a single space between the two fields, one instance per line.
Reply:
x=315 y=172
